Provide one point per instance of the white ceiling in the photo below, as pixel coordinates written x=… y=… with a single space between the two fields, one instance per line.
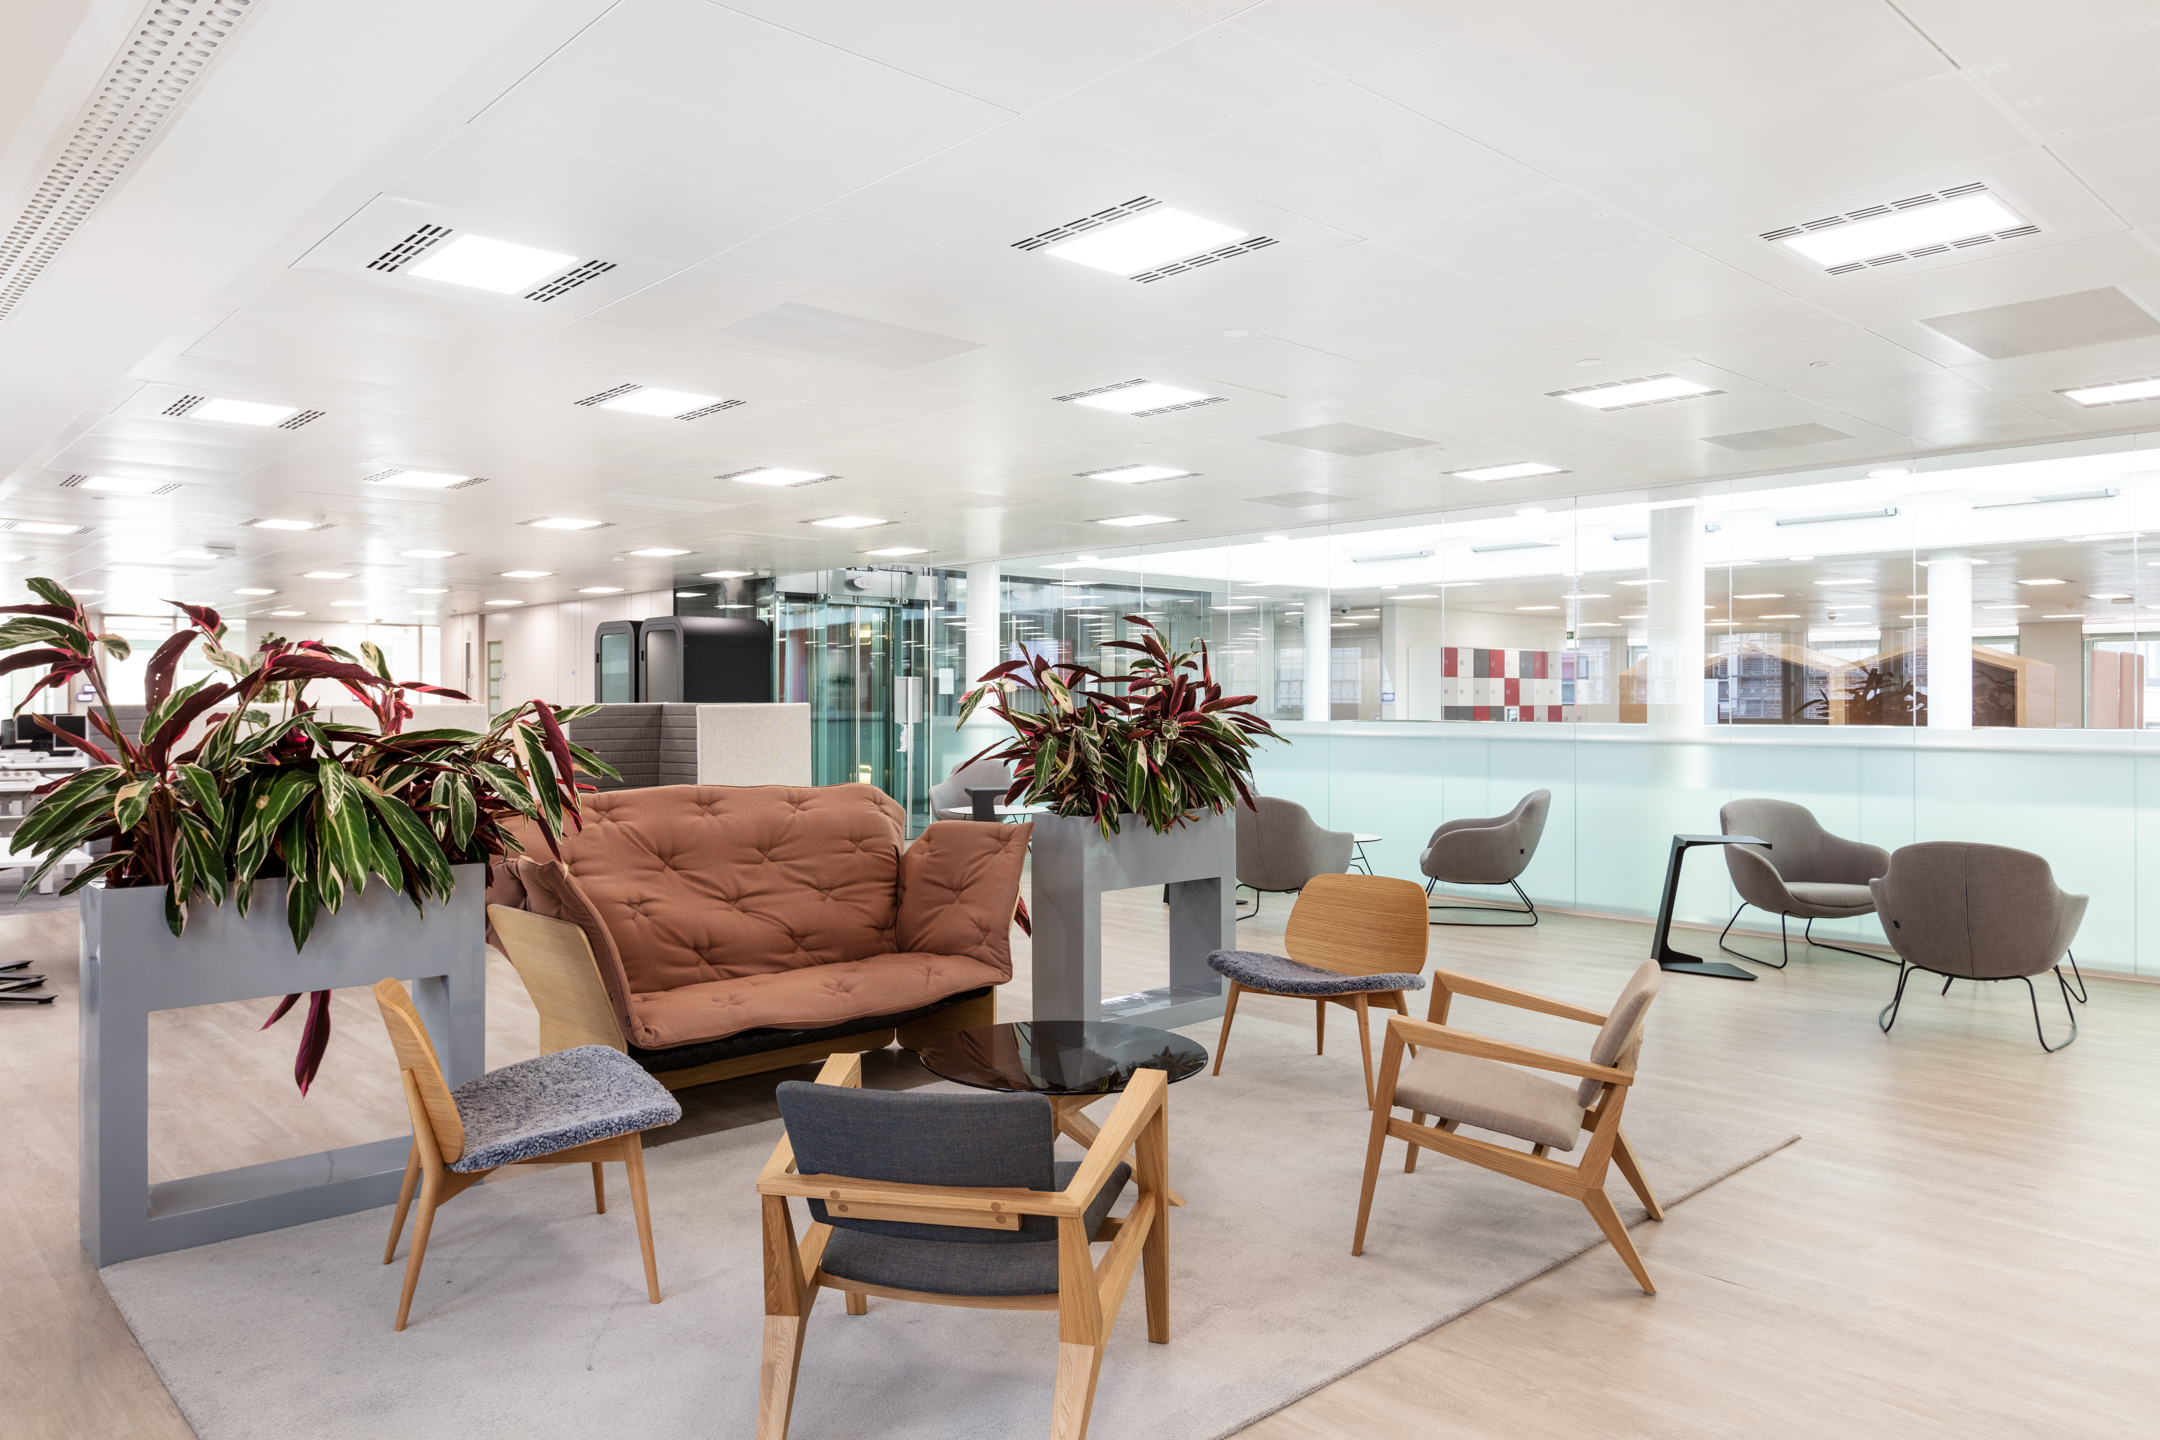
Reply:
x=811 y=207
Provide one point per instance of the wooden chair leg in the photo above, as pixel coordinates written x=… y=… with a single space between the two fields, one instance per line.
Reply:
x=1601 y=1210
x=1373 y=1147
x=1624 y=1157
x=1364 y=1037
x=599 y=1190
x=404 y=1201
x=1153 y=1154
x=633 y=1152
x=777 y=1369
x=1319 y=1034
x=430 y=1197
x=857 y=1302
x=1409 y=1161
x=1222 y=1042
x=1078 y=1367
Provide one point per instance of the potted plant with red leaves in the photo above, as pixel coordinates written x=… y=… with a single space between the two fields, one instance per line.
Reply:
x=1167 y=750
x=236 y=781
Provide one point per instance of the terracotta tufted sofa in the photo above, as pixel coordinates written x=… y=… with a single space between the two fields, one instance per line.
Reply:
x=743 y=928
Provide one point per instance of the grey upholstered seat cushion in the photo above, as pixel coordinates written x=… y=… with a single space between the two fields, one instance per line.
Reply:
x=941 y=1267
x=1259 y=971
x=553 y=1102
x=1957 y=907
x=1822 y=895
x=1492 y=1096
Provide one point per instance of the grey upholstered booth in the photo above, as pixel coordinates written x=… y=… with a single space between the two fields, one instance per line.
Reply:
x=1487 y=852
x=1807 y=872
x=1978 y=912
x=949 y=797
x=1280 y=847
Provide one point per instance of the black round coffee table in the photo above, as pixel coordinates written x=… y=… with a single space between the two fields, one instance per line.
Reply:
x=1072 y=1062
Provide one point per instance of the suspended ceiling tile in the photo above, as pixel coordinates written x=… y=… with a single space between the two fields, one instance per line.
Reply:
x=2118 y=164
x=1741 y=329
x=1974 y=31
x=1310 y=288
x=1524 y=233
x=1644 y=284
x=1191 y=89
x=1821 y=362
x=1352 y=39
x=693 y=301
x=1343 y=438
x=2082 y=83
x=1278 y=367
x=811 y=334
x=812 y=250
x=1365 y=163
x=1440 y=334
x=1017 y=164
x=2052 y=323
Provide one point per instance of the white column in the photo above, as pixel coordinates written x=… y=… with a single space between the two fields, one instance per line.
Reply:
x=983 y=651
x=1949 y=642
x=1675 y=670
x=1319 y=641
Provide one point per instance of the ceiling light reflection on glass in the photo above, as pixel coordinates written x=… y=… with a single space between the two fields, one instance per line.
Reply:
x=428 y=554
x=657 y=553
x=564 y=522
x=1132 y=399
x=1131 y=520
x=1623 y=393
x=421 y=480
x=773 y=475
x=123 y=485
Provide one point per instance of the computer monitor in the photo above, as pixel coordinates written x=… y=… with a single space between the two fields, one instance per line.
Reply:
x=43 y=739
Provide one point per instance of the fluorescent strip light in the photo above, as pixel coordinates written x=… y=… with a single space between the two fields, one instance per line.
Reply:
x=1128 y=520
x=242 y=412
x=2115 y=392
x=1599 y=625
x=601 y=590
x=2006 y=607
x=726 y=575
x=772 y=475
x=892 y=551
x=1521 y=469
x=657 y=552
x=849 y=522
x=2046 y=582
x=1134 y=474
x=1905 y=230
x=45 y=527
x=2108 y=493
x=526 y=574
x=486 y=264
x=345 y=604
x=254 y=591
x=2079 y=616
x=1883 y=514
x=503 y=602
x=280 y=614
x=1766 y=595
x=1514 y=545
x=1148 y=395
x=1398 y=555
x=429 y=554
x=565 y=522
x=1622 y=393
x=665 y=403
x=1154 y=238
x=1777 y=617
x=1537 y=607
x=275 y=525
x=327 y=575
x=420 y=479
x=122 y=485
x=428 y=590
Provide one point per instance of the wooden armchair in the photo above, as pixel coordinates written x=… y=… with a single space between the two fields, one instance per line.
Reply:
x=906 y=1240
x=1464 y=1078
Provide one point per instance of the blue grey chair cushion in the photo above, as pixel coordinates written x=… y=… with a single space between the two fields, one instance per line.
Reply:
x=923 y=1139
x=1283 y=976
x=1026 y=1265
x=553 y=1102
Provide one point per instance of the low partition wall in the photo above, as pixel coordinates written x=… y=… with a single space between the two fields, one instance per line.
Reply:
x=1620 y=792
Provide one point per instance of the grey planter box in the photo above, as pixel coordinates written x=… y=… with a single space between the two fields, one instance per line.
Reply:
x=1073 y=865
x=132 y=965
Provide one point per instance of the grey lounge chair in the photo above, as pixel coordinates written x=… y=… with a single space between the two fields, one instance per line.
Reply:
x=1280 y=847
x=1979 y=912
x=949 y=797
x=1487 y=852
x=1815 y=875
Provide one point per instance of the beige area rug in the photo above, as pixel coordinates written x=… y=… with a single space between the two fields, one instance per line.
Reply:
x=531 y=1319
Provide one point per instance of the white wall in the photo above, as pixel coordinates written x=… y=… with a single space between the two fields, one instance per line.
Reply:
x=1416 y=683
x=547 y=649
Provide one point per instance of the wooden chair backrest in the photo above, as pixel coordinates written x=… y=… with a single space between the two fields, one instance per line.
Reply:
x=555 y=961
x=416 y=1053
x=1359 y=925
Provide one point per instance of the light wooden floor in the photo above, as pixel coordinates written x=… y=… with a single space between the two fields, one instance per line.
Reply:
x=1963 y=1244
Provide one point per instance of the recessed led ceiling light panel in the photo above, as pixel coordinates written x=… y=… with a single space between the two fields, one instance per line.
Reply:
x=1930 y=228
x=526 y=574
x=486 y=264
x=773 y=475
x=665 y=403
x=726 y=574
x=254 y=591
x=565 y=522
x=2040 y=582
x=327 y=575
x=1154 y=238
x=601 y=590
x=849 y=522
x=892 y=551
x=2115 y=392
x=282 y=614
x=1128 y=520
x=242 y=412
x=427 y=590
x=502 y=602
x=1520 y=470
x=658 y=553
x=1621 y=394
x=45 y=527
x=281 y=524
x=123 y=485
x=420 y=479
x=1766 y=595
x=1134 y=474
x=1140 y=397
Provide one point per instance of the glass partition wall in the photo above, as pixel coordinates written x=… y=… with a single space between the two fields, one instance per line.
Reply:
x=1959 y=647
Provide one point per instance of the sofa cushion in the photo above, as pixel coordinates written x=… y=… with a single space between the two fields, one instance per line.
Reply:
x=958 y=883
x=701 y=884
x=760 y=1042
x=804 y=997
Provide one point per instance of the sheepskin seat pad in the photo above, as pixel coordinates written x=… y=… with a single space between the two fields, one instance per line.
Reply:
x=572 y=1097
x=1280 y=975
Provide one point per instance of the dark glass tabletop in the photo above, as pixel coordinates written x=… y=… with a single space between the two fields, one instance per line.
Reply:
x=1061 y=1057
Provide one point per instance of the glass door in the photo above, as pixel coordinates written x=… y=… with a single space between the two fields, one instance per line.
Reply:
x=849 y=660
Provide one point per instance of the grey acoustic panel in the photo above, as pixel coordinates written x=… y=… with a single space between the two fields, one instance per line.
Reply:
x=827 y=337
x=628 y=737
x=2059 y=322
x=1782 y=437
x=1344 y=438
x=1303 y=499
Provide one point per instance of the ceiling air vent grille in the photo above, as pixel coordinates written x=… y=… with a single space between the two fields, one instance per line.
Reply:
x=1179 y=267
x=606 y=395
x=294 y=422
x=183 y=405
x=137 y=97
x=760 y=469
x=713 y=409
x=565 y=283
x=1918 y=252
x=72 y=481
x=408 y=249
x=1122 y=211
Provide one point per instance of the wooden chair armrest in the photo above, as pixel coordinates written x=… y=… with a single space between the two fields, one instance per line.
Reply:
x=1455 y=982
x=838 y=1070
x=928 y=1204
x=1144 y=1095
x=1465 y=1042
